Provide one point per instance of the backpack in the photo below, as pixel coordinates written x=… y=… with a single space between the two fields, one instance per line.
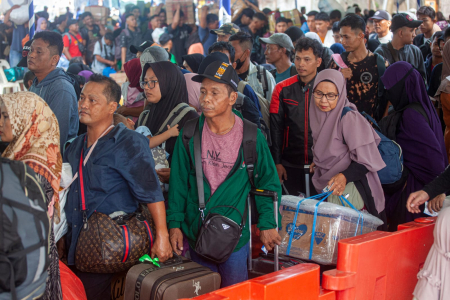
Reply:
x=249 y=149
x=249 y=110
x=262 y=77
x=175 y=116
x=24 y=232
x=390 y=152
x=263 y=102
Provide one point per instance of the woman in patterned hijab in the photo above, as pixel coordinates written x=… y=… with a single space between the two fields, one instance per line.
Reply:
x=32 y=130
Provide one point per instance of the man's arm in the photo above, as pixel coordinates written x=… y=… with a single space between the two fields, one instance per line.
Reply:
x=277 y=130
x=101 y=27
x=130 y=111
x=161 y=248
x=271 y=85
x=66 y=53
x=124 y=56
x=176 y=17
x=103 y=60
x=203 y=23
x=7 y=15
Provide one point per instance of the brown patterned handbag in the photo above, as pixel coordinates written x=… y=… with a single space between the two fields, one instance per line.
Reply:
x=111 y=245
x=108 y=245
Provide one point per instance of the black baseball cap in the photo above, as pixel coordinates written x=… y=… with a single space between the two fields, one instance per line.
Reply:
x=71 y=22
x=381 y=15
x=26 y=48
x=402 y=19
x=135 y=49
x=220 y=72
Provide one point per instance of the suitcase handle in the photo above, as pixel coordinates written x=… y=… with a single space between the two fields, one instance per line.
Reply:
x=175 y=260
x=274 y=196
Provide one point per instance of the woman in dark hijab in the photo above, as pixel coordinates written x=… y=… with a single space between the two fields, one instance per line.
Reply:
x=421 y=138
x=169 y=90
x=191 y=62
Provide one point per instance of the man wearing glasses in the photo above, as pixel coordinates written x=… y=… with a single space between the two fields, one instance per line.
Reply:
x=289 y=119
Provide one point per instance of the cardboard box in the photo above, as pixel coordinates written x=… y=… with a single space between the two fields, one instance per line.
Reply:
x=187 y=6
x=334 y=222
x=294 y=15
x=100 y=13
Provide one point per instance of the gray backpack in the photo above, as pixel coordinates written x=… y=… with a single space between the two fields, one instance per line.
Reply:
x=24 y=232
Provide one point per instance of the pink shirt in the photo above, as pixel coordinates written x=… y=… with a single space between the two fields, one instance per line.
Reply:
x=219 y=152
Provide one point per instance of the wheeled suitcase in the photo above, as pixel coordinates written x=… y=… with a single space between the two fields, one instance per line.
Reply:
x=176 y=278
x=264 y=264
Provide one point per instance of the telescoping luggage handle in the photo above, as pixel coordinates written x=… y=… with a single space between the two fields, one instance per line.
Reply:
x=313 y=233
x=274 y=196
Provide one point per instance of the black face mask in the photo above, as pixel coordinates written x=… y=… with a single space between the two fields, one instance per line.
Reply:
x=397 y=95
x=239 y=62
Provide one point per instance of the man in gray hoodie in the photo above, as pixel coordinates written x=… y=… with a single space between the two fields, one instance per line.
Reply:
x=53 y=84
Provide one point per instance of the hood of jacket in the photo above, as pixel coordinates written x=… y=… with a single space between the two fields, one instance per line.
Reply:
x=54 y=75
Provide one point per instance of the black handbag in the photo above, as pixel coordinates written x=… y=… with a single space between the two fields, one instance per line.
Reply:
x=218 y=235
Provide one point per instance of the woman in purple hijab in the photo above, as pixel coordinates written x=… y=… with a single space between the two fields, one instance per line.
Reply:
x=421 y=138
x=345 y=147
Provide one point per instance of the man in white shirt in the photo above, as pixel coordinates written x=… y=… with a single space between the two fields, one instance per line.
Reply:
x=382 y=20
x=104 y=54
x=322 y=22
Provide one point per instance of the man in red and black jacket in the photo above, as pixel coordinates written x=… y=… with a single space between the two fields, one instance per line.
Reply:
x=289 y=118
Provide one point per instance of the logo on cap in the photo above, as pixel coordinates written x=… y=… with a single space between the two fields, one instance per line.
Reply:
x=377 y=13
x=408 y=17
x=221 y=70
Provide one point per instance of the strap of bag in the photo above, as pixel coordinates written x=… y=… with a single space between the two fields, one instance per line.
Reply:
x=175 y=115
x=381 y=66
x=393 y=52
x=87 y=156
x=239 y=102
x=241 y=86
x=188 y=133
x=249 y=147
x=262 y=77
x=74 y=37
x=199 y=171
x=143 y=117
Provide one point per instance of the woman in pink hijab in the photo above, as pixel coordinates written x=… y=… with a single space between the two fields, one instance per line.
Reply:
x=344 y=145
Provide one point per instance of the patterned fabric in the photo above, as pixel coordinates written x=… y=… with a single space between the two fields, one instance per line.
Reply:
x=36 y=139
x=53 y=290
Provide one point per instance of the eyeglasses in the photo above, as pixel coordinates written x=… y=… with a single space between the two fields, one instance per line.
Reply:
x=330 y=97
x=150 y=84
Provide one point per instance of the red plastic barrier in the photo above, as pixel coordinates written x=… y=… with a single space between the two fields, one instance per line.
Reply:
x=380 y=265
x=298 y=282
x=377 y=265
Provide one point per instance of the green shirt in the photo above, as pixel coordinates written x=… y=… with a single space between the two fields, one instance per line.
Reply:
x=183 y=211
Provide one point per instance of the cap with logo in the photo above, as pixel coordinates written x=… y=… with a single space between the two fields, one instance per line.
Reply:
x=280 y=39
x=381 y=15
x=402 y=20
x=26 y=48
x=227 y=28
x=135 y=49
x=220 y=72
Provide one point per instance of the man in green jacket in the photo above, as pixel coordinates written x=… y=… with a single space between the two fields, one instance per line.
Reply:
x=226 y=181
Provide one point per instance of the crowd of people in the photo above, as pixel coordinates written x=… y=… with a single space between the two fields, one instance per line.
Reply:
x=305 y=88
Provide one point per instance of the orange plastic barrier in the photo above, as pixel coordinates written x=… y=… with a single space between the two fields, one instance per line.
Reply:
x=381 y=265
x=377 y=265
x=298 y=282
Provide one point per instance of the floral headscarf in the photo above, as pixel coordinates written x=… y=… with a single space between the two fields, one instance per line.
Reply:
x=36 y=139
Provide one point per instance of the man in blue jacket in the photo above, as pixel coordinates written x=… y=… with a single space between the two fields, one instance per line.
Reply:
x=53 y=84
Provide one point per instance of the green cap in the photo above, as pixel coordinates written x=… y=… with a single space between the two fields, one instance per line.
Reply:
x=227 y=28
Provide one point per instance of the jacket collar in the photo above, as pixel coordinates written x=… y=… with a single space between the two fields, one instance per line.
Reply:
x=252 y=68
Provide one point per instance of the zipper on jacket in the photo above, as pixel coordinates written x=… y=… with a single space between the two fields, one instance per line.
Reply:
x=306 y=125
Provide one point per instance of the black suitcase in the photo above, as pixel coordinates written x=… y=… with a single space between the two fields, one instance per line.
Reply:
x=267 y=263
x=176 y=278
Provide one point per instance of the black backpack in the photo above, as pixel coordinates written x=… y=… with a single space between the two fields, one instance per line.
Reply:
x=248 y=145
x=24 y=231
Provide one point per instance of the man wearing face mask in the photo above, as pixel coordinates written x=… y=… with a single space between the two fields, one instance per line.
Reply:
x=257 y=77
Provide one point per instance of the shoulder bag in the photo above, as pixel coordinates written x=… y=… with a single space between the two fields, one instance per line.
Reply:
x=111 y=244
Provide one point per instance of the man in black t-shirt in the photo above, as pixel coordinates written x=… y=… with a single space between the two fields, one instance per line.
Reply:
x=361 y=70
x=91 y=32
x=180 y=33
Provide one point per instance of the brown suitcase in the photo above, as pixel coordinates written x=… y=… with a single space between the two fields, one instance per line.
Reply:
x=175 y=279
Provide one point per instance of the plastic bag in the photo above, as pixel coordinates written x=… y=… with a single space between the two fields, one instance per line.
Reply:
x=14 y=74
x=20 y=15
x=332 y=223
